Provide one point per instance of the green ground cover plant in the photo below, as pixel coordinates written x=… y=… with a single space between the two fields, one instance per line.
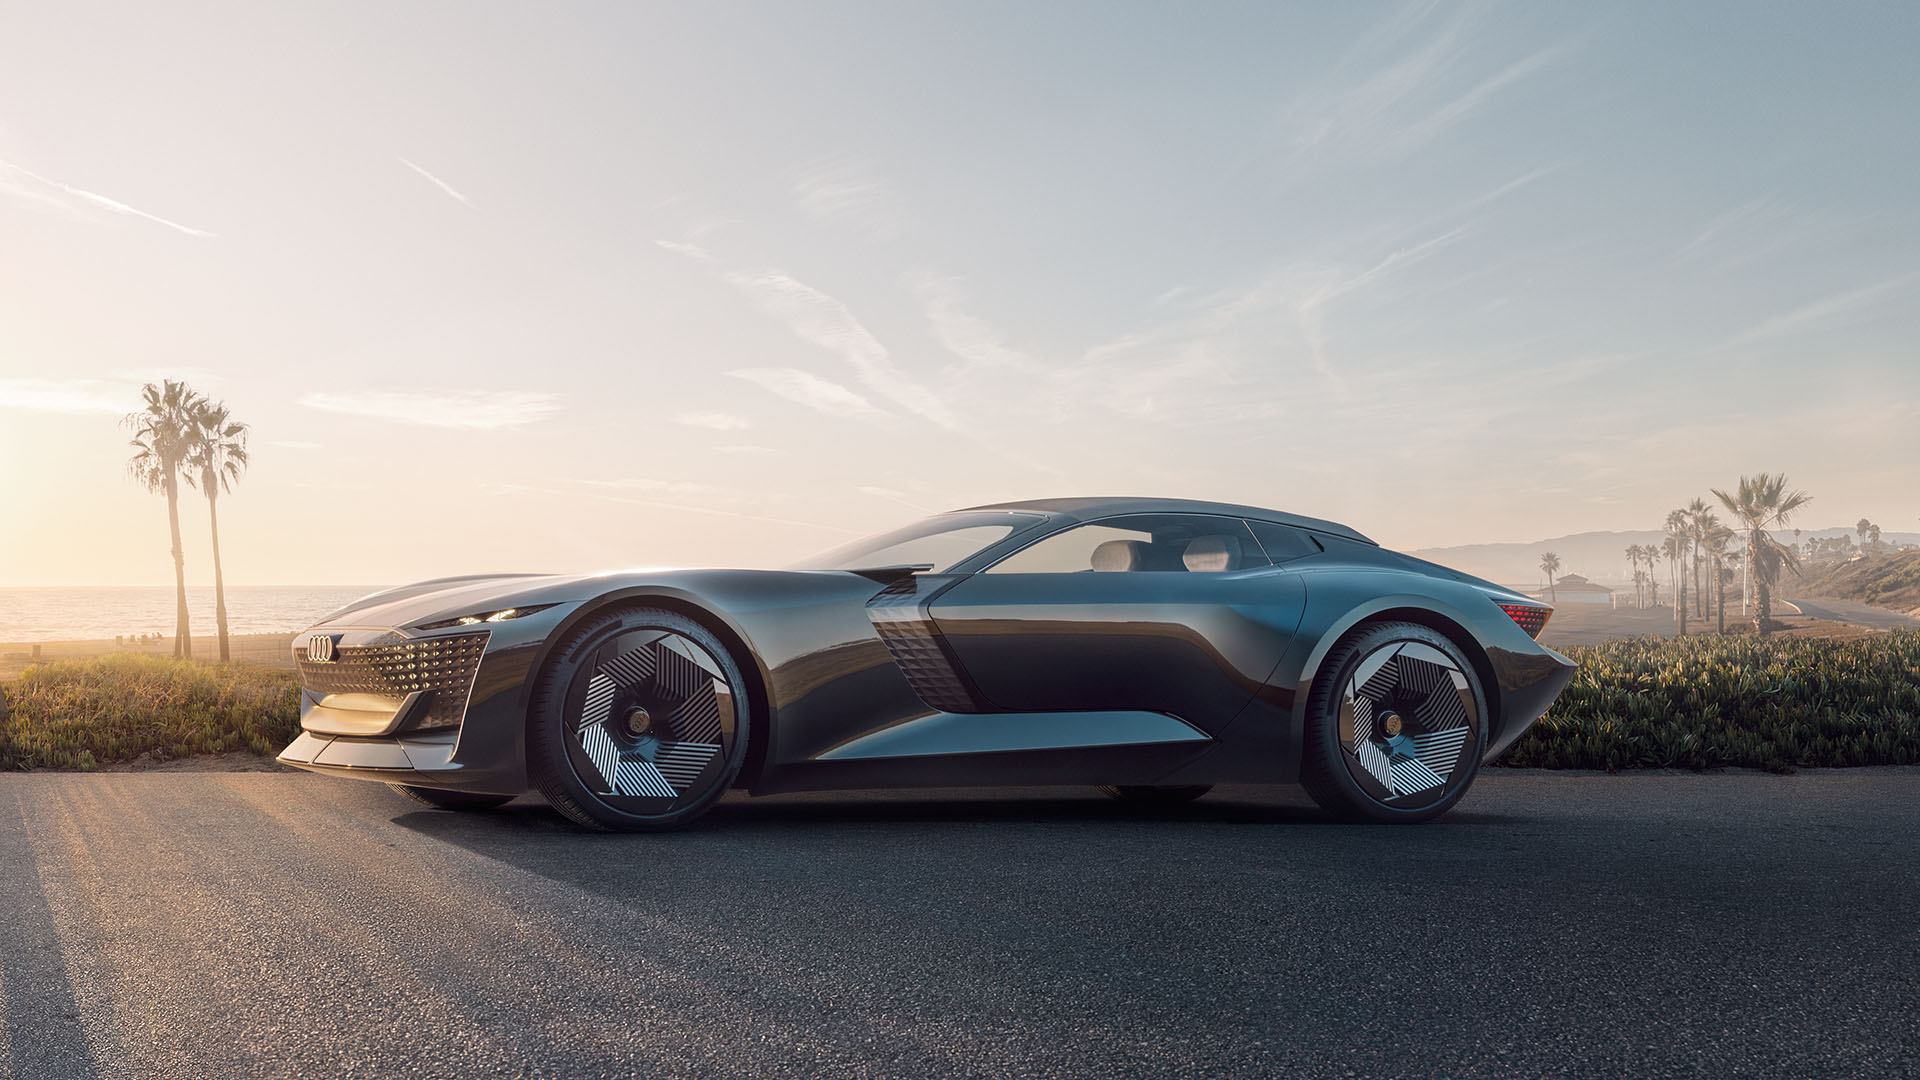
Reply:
x=1752 y=701
x=81 y=714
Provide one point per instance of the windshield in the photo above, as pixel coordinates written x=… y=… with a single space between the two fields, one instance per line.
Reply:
x=941 y=541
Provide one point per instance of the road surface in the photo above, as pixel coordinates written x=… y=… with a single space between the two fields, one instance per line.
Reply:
x=1849 y=611
x=263 y=925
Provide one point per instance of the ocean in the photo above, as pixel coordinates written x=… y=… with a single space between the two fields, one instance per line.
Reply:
x=79 y=614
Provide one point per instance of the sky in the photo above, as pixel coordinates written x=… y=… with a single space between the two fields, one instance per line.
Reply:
x=579 y=287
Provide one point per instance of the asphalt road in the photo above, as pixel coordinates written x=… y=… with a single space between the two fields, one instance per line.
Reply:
x=1849 y=611
x=265 y=925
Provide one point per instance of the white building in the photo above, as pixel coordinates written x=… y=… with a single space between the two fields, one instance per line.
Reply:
x=1574 y=589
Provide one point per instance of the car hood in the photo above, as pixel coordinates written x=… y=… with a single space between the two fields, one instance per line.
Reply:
x=481 y=594
x=474 y=594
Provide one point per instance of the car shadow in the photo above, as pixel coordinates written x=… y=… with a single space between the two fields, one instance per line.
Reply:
x=894 y=849
x=743 y=815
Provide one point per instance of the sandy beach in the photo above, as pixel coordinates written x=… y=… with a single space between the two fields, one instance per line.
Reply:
x=271 y=649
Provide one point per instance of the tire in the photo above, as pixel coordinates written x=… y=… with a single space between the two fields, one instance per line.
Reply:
x=639 y=721
x=1157 y=797
x=442 y=799
x=1396 y=727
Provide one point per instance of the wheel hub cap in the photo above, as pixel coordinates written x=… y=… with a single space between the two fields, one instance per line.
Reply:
x=1408 y=723
x=654 y=715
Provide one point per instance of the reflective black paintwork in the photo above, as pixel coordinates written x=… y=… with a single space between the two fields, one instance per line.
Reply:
x=1082 y=678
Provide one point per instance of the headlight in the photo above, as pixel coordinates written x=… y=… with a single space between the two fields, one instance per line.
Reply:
x=501 y=615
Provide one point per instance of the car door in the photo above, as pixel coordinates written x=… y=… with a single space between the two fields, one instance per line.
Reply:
x=1176 y=613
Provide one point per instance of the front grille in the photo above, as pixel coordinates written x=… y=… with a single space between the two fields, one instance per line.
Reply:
x=440 y=667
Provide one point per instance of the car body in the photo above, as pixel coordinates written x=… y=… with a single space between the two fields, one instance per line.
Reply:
x=987 y=658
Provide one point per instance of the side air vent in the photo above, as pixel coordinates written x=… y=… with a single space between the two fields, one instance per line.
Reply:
x=900 y=618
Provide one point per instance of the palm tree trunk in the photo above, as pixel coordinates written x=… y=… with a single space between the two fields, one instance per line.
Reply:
x=182 y=632
x=1720 y=598
x=1746 y=577
x=219 y=583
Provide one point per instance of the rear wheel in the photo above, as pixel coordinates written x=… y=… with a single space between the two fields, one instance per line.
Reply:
x=638 y=722
x=1396 y=728
x=1157 y=796
x=442 y=799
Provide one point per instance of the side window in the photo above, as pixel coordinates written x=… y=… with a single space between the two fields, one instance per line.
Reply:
x=1283 y=543
x=1184 y=543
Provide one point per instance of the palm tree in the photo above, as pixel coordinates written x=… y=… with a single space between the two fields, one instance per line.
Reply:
x=216 y=458
x=1647 y=554
x=1633 y=560
x=1717 y=539
x=1550 y=562
x=1698 y=524
x=1704 y=523
x=1676 y=544
x=1759 y=502
x=162 y=439
x=1860 y=529
x=1674 y=547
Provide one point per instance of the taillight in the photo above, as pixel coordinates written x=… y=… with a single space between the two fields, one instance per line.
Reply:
x=1530 y=618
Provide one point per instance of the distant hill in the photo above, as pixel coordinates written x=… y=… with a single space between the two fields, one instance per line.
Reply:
x=1598 y=556
x=1888 y=581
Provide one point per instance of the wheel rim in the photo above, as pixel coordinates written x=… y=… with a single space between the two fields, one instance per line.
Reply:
x=651 y=722
x=1409 y=724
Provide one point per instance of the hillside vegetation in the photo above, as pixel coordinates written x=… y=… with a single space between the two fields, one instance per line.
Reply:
x=81 y=714
x=1889 y=581
x=1759 y=702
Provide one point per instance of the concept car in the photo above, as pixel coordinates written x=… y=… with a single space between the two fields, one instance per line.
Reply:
x=1151 y=647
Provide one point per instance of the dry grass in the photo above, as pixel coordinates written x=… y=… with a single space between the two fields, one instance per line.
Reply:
x=82 y=714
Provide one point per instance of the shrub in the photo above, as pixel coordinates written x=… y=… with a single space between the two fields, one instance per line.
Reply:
x=79 y=714
x=1709 y=702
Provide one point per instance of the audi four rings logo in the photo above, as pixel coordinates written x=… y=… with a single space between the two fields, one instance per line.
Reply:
x=320 y=648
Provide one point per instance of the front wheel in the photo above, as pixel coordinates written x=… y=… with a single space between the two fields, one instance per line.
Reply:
x=638 y=722
x=1396 y=725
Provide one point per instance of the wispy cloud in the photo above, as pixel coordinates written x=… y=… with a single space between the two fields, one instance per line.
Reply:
x=473 y=409
x=691 y=251
x=1459 y=108
x=713 y=421
x=441 y=184
x=1821 y=311
x=1761 y=227
x=1187 y=366
x=964 y=334
x=639 y=491
x=1756 y=213
x=86 y=198
x=1404 y=84
x=294 y=444
x=808 y=389
x=890 y=495
x=648 y=483
x=822 y=320
x=848 y=188
x=70 y=395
